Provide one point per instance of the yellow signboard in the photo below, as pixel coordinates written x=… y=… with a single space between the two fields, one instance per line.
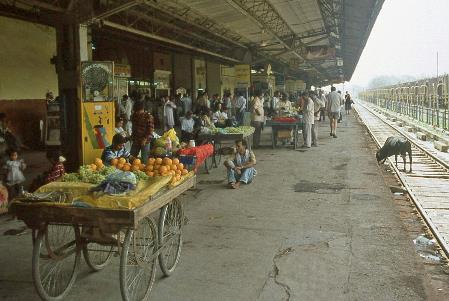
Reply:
x=98 y=128
x=242 y=74
x=122 y=70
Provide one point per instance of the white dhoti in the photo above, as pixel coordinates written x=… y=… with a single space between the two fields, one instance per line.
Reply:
x=307 y=134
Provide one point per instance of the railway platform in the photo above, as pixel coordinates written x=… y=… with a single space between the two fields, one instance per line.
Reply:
x=316 y=224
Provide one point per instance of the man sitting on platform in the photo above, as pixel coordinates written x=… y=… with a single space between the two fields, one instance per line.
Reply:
x=241 y=168
x=220 y=117
x=188 y=128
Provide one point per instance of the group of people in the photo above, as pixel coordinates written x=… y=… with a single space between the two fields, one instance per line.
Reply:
x=14 y=166
x=314 y=104
x=168 y=110
x=134 y=130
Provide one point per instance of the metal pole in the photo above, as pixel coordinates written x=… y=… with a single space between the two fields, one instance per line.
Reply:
x=437 y=98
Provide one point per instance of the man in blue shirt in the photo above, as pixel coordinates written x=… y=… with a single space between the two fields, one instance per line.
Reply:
x=116 y=150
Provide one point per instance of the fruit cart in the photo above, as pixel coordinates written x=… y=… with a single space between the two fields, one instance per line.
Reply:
x=62 y=232
x=284 y=124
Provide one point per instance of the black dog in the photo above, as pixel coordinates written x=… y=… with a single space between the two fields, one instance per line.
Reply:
x=395 y=146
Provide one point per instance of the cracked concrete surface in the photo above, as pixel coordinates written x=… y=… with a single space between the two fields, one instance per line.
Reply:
x=343 y=240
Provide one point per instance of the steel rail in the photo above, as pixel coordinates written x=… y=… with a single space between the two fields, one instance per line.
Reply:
x=444 y=245
x=410 y=138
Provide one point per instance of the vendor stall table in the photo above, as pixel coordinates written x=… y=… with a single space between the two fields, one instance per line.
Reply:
x=277 y=125
x=217 y=139
x=193 y=157
x=64 y=231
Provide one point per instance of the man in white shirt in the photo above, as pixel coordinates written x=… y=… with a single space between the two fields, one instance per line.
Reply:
x=323 y=109
x=308 y=118
x=125 y=111
x=318 y=105
x=169 y=118
x=187 y=127
x=257 y=117
x=275 y=101
x=227 y=102
x=240 y=108
x=126 y=107
x=187 y=103
x=219 y=117
x=334 y=103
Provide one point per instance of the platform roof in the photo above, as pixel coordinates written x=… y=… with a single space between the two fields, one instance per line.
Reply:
x=320 y=40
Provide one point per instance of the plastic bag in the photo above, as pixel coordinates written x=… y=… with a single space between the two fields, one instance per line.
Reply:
x=170 y=134
x=124 y=177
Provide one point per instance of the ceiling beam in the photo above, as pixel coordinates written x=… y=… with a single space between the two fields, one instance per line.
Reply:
x=176 y=28
x=112 y=11
x=316 y=40
x=266 y=17
x=41 y=4
x=185 y=16
x=168 y=41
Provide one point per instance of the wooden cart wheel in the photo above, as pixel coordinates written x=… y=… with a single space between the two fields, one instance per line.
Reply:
x=97 y=256
x=170 y=236
x=56 y=255
x=138 y=261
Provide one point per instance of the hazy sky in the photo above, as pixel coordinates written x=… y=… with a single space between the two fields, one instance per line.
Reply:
x=405 y=39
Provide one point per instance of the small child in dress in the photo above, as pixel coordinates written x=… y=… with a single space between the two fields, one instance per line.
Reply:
x=14 y=173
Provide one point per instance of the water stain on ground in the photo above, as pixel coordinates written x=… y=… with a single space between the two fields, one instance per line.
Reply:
x=317 y=187
x=340 y=166
x=370 y=173
x=364 y=197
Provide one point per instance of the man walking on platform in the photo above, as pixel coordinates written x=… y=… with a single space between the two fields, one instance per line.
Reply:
x=240 y=108
x=334 y=103
x=318 y=105
x=309 y=119
x=323 y=109
x=340 y=118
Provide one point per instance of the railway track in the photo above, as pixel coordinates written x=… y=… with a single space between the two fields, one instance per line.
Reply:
x=427 y=185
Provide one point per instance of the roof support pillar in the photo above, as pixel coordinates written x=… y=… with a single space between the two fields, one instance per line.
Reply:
x=67 y=68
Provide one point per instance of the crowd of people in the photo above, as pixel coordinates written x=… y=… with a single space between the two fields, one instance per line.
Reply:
x=139 y=115
x=314 y=105
x=178 y=111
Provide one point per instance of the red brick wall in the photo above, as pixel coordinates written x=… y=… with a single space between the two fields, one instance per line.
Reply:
x=24 y=116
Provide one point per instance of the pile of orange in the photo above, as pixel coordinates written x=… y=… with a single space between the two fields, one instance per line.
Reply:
x=155 y=167
x=97 y=165
x=125 y=166
x=165 y=167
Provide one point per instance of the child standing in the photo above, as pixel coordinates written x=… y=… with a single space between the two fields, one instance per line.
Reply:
x=14 y=173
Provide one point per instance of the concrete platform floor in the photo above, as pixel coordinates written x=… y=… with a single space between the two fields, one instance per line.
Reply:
x=318 y=224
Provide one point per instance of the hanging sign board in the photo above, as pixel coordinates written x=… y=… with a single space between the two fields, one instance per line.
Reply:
x=242 y=74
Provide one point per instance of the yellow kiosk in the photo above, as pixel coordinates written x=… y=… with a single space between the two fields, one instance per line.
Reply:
x=97 y=108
